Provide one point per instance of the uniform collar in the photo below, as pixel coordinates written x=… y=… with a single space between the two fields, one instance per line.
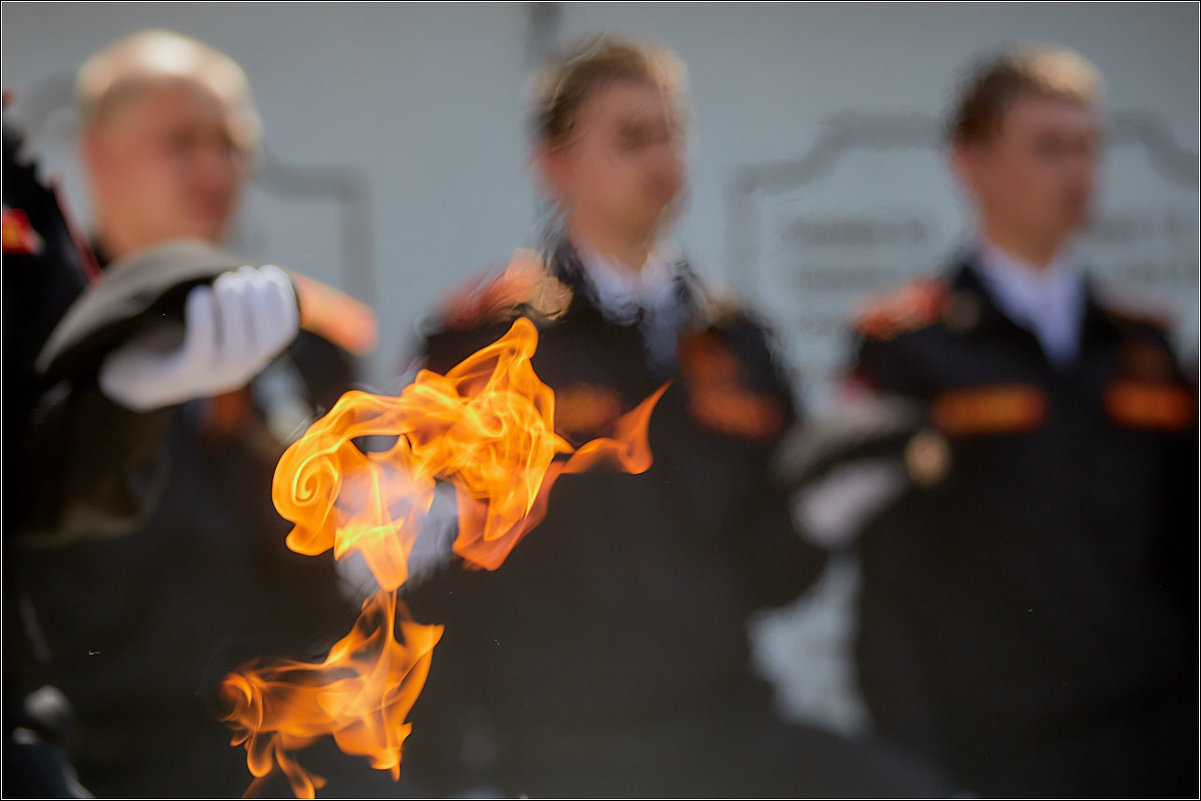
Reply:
x=972 y=307
x=662 y=308
x=1024 y=290
x=623 y=294
x=1048 y=302
x=672 y=277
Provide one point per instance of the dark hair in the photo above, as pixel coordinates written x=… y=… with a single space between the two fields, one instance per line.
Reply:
x=572 y=76
x=1022 y=70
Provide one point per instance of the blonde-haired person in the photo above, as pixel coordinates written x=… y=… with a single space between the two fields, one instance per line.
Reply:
x=1028 y=602
x=608 y=655
x=169 y=135
x=143 y=627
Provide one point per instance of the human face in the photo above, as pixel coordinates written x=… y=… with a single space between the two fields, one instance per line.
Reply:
x=164 y=165
x=1037 y=176
x=622 y=167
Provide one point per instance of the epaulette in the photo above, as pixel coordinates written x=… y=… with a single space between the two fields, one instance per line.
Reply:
x=20 y=238
x=910 y=307
x=721 y=305
x=330 y=313
x=526 y=287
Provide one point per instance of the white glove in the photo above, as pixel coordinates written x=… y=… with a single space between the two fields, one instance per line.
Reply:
x=832 y=511
x=232 y=330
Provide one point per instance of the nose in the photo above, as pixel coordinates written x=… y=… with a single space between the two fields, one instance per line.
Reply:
x=1083 y=170
x=669 y=163
x=217 y=167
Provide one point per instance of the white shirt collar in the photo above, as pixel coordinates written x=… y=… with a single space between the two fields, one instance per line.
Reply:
x=648 y=296
x=1049 y=302
x=623 y=292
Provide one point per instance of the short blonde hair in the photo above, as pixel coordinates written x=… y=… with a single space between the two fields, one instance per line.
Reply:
x=151 y=57
x=1020 y=70
x=572 y=76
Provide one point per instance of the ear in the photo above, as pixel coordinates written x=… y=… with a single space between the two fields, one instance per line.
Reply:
x=546 y=163
x=964 y=160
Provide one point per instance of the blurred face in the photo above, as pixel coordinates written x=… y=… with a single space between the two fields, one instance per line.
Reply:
x=163 y=165
x=1037 y=176
x=623 y=166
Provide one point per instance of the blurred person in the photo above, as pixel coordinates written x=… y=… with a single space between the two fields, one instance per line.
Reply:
x=76 y=462
x=1017 y=468
x=608 y=655
x=138 y=631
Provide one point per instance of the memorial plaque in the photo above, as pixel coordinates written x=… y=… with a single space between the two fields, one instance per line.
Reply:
x=872 y=204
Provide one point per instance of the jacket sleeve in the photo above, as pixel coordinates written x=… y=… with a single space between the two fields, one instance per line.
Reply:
x=781 y=564
x=76 y=463
x=99 y=466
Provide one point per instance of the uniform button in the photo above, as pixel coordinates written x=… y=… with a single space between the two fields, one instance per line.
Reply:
x=927 y=457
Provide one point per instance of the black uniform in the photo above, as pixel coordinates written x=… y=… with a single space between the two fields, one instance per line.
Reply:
x=141 y=629
x=49 y=424
x=608 y=655
x=1030 y=620
x=43 y=272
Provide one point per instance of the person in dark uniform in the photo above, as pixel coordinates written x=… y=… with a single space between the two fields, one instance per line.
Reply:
x=44 y=271
x=1027 y=516
x=78 y=463
x=141 y=629
x=608 y=655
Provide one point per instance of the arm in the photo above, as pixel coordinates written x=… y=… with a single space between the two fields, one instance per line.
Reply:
x=781 y=564
x=96 y=444
x=844 y=471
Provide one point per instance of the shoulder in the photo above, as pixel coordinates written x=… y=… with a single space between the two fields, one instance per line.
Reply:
x=525 y=286
x=738 y=379
x=1133 y=309
x=481 y=309
x=892 y=334
x=1145 y=323
x=725 y=316
x=912 y=306
x=335 y=316
x=750 y=336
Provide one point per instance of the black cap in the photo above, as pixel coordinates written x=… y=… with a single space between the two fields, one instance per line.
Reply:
x=136 y=291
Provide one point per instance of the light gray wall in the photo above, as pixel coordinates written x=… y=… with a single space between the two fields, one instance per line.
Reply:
x=419 y=107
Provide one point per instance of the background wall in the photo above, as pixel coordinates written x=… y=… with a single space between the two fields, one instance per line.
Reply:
x=395 y=161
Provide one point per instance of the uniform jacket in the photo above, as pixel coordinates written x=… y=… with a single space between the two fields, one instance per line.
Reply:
x=1029 y=617
x=624 y=611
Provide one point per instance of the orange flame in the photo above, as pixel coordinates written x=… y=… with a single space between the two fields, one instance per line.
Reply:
x=360 y=694
x=487 y=427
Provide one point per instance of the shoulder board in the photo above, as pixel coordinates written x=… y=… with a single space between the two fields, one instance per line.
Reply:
x=526 y=286
x=330 y=313
x=20 y=238
x=910 y=307
x=720 y=307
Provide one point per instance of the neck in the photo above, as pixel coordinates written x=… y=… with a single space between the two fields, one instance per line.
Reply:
x=113 y=245
x=1038 y=252
x=629 y=249
x=114 y=238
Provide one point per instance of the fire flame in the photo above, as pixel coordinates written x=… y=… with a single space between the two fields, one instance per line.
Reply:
x=487 y=427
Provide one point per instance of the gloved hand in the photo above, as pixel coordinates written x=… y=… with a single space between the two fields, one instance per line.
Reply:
x=231 y=331
x=833 y=509
x=844 y=470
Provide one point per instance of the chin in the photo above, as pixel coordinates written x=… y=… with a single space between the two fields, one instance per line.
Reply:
x=208 y=231
x=668 y=214
x=1074 y=226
